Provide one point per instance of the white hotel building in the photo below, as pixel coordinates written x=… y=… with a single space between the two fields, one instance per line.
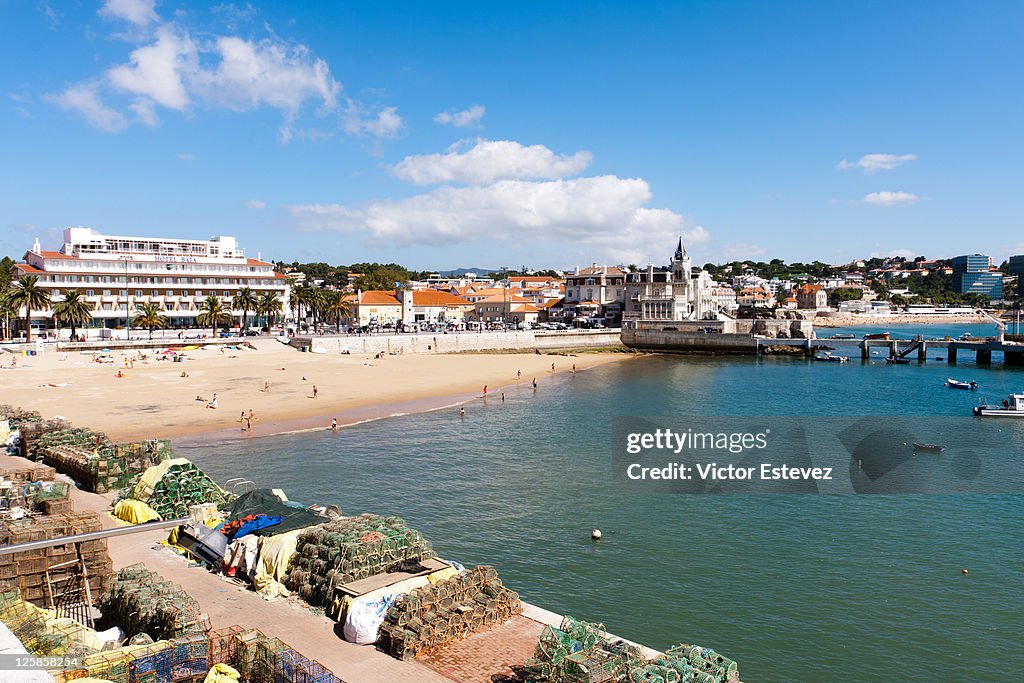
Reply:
x=116 y=274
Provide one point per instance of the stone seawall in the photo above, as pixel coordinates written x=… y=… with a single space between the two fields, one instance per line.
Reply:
x=689 y=342
x=464 y=342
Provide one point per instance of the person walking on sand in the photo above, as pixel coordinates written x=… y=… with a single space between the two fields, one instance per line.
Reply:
x=266 y=386
x=552 y=367
x=485 y=390
x=519 y=374
x=315 y=391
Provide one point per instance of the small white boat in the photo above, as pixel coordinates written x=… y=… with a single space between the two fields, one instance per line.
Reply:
x=827 y=356
x=1013 y=406
x=966 y=386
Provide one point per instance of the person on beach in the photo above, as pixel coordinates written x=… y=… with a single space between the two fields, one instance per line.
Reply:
x=252 y=415
x=184 y=374
x=552 y=367
x=248 y=423
x=315 y=391
x=503 y=397
x=119 y=374
x=485 y=390
x=241 y=418
x=574 y=368
x=334 y=425
x=266 y=386
x=535 y=384
x=213 y=402
x=462 y=412
x=519 y=374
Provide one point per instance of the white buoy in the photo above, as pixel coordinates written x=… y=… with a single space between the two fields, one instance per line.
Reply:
x=596 y=534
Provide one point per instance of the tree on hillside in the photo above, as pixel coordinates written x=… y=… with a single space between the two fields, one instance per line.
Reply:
x=837 y=296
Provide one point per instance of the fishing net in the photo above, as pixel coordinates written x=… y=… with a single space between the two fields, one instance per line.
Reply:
x=433 y=617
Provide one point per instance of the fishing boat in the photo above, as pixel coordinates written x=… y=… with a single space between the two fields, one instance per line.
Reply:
x=966 y=386
x=880 y=335
x=1013 y=406
x=928 y=447
x=827 y=356
x=896 y=360
x=843 y=336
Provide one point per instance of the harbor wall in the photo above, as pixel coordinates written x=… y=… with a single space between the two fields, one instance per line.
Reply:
x=689 y=342
x=466 y=342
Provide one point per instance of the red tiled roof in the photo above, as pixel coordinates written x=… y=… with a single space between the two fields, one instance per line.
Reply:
x=429 y=297
x=379 y=298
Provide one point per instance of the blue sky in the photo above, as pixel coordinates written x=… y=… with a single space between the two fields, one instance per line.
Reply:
x=540 y=133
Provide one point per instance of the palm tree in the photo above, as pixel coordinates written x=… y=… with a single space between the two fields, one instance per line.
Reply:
x=213 y=314
x=317 y=302
x=7 y=311
x=269 y=305
x=148 y=315
x=27 y=294
x=338 y=306
x=303 y=296
x=245 y=300
x=73 y=311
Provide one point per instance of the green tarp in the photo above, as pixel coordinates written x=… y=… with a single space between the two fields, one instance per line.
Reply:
x=264 y=502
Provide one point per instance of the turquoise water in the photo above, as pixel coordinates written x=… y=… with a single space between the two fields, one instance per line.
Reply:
x=796 y=588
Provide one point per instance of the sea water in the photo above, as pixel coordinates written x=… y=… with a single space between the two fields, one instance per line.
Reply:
x=794 y=587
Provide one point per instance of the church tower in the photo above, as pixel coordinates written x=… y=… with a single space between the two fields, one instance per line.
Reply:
x=680 y=266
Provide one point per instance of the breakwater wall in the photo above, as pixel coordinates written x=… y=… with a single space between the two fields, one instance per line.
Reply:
x=464 y=342
x=670 y=341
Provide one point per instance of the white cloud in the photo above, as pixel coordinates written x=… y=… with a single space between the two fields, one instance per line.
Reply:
x=138 y=12
x=489 y=161
x=461 y=119
x=84 y=100
x=255 y=205
x=267 y=72
x=175 y=71
x=887 y=198
x=605 y=214
x=185 y=156
x=872 y=163
x=385 y=124
x=158 y=71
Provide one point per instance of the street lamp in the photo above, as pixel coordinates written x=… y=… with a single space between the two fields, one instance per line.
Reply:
x=127 y=308
x=504 y=292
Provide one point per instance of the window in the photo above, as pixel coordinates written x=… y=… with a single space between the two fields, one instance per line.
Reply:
x=106 y=292
x=138 y=293
x=90 y=292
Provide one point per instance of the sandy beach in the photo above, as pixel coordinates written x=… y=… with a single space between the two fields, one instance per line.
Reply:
x=153 y=400
x=858 y=319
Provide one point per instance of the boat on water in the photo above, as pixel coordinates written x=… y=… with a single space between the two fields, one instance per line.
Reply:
x=957 y=384
x=879 y=335
x=1013 y=406
x=844 y=336
x=928 y=447
x=827 y=356
x=896 y=360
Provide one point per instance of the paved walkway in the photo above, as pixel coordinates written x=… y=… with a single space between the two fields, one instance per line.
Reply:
x=489 y=655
